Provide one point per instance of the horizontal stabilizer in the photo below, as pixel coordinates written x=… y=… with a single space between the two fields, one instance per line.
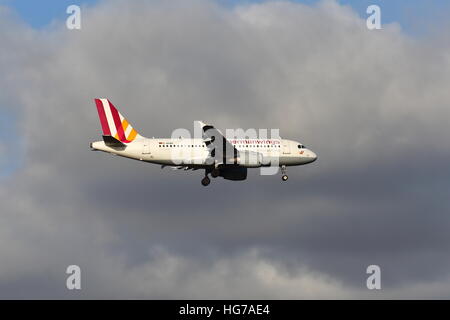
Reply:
x=112 y=142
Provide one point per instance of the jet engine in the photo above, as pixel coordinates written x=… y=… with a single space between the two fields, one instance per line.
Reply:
x=233 y=173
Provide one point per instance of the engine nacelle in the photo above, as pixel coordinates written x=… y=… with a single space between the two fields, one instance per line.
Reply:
x=250 y=159
x=234 y=173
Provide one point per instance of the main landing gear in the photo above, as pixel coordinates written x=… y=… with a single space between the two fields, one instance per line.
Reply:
x=283 y=171
x=215 y=172
x=206 y=181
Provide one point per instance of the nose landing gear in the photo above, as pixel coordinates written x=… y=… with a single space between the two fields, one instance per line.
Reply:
x=283 y=171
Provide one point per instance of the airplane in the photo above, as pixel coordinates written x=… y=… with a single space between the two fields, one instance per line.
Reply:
x=213 y=152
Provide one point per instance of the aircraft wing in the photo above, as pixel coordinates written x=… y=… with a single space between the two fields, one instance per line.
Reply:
x=220 y=148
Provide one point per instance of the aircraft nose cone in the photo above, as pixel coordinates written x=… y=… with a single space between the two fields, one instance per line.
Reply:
x=313 y=156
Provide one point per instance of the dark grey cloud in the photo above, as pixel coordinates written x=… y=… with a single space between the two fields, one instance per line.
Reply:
x=372 y=104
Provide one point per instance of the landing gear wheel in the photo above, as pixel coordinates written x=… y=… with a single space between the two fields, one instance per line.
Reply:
x=205 y=181
x=283 y=172
x=215 y=173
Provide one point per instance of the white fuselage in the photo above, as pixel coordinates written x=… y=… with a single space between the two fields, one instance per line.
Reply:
x=181 y=152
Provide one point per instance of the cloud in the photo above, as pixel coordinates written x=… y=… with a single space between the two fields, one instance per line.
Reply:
x=372 y=104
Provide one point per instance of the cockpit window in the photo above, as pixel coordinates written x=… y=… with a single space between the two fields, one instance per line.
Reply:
x=300 y=146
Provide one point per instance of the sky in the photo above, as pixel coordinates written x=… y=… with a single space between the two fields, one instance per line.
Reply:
x=412 y=15
x=374 y=106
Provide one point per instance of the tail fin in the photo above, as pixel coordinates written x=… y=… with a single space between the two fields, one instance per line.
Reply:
x=113 y=123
